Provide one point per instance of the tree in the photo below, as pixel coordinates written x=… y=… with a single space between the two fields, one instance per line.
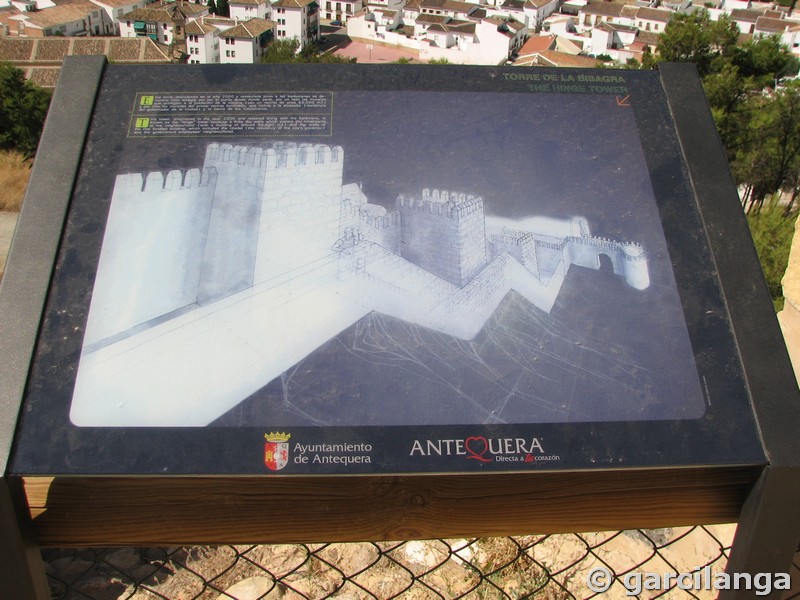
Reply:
x=212 y=7
x=23 y=108
x=772 y=235
x=764 y=60
x=768 y=144
x=223 y=10
x=286 y=51
x=694 y=37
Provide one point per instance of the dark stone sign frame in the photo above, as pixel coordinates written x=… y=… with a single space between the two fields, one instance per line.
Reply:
x=764 y=539
x=705 y=420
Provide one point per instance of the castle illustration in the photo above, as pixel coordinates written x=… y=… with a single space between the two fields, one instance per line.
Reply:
x=214 y=281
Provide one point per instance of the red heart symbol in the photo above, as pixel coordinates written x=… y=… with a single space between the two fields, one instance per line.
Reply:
x=476 y=447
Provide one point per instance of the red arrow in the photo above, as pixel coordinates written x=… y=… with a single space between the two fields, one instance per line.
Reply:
x=626 y=101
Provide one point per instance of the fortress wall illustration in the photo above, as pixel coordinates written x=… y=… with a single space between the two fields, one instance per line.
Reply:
x=300 y=216
x=444 y=233
x=155 y=232
x=519 y=244
x=628 y=260
x=230 y=249
x=373 y=222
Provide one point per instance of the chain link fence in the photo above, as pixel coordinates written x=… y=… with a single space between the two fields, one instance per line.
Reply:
x=549 y=567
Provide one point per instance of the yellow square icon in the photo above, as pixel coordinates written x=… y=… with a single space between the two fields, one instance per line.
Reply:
x=142 y=123
x=146 y=100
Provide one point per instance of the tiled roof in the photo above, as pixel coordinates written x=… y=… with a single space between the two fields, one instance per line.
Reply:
x=90 y=46
x=60 y=15
x=187 y=8
x=55 y=49
x=537 y=43
x=219 y=22
x=152 y=15
x=458 y=6
x=199 y=27
x=41 y=57
x=293 y=3
x=747 y=15
x=114 y=3
x=539 y=3
x=603 y=9
x=768 y=24
x=460 y=27
x=562 y=59
x=248 y=2
x=654 y=14
x=249 y=29
x=14 y=50
x=617 y=27
x=425 y=18
x=43 y=76
x=157 y=13
x=648 y=37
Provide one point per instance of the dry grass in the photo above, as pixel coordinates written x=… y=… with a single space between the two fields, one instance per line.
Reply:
x=14 y=173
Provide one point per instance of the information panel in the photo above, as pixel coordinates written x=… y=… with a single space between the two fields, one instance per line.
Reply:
x=350 y=270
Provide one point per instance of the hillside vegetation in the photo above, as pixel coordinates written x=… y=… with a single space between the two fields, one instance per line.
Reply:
x=14 y=172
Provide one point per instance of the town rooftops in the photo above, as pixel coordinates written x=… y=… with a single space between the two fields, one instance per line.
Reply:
x=163 y=13
x=432 y=4
x=539 y=3
x=612 y=27
x=553 y=58
x=59 y=15
x=747 y=15
x=250 y=29
x=248 y=2
x=455 y=27
x=514 y=4
x=432 y=19
x=293 y=3
x=776 y=25
x=458 y=6
x=199 y=27
x=654 y=14
x=604 y=9
x=537 y=43
x=648 y=38
x=41 y=58
x=114 y=3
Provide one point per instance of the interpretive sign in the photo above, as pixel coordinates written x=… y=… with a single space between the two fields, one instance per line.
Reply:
x=407 y=269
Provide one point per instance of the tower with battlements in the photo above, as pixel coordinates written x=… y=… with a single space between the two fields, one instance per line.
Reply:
x=444 y=233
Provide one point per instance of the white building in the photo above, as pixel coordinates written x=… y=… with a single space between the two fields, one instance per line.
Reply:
x=78 y=18
x=114 y=10
x=297 y=19
x=788 y=30
x=248 y=9
x=491 y=42
x=340 y=10
x=246 y=42
x=214 y=40
x=161 y=22
x=202 y=43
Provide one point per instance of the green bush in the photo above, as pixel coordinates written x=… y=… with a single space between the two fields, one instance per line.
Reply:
x=772 y=234
x=23 y=108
